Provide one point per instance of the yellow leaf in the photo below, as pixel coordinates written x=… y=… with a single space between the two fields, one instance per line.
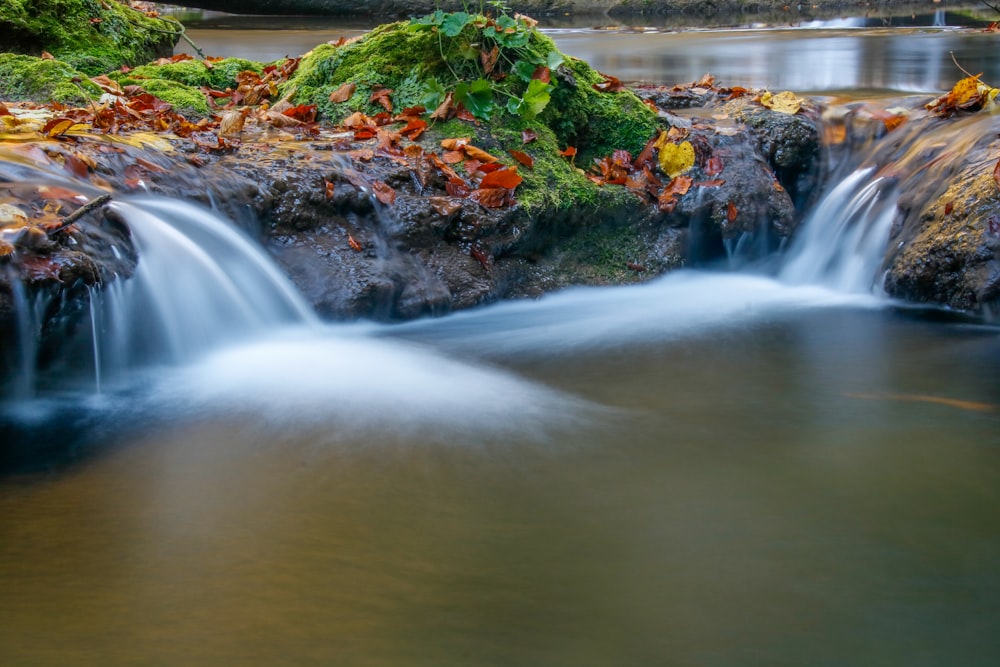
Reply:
x=675 y=159
x=786 y=102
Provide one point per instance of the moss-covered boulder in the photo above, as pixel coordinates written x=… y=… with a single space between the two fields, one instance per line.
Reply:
x=41 y=80
x=181 y=83
x=92 y=36
x=529 y=87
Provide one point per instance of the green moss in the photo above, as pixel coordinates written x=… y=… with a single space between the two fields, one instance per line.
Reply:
x=219 y=76
x=186 y=99
x=91 y=35
x=29 y=78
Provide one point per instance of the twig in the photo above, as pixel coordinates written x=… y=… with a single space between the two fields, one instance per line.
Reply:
x=995 y=8
x=80 y=212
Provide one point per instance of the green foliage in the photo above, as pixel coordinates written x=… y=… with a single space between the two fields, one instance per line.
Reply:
x=471 y=42
x=90 y=35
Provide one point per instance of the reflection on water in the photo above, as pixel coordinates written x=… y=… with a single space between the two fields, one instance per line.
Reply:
x=751 y=499
x=830 y=55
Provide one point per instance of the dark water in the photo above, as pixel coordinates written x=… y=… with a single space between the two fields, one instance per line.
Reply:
x=707 y=470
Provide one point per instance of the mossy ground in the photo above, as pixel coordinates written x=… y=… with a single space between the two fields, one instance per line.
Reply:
x=180 y=83
x=31 y=78
x=90 y=35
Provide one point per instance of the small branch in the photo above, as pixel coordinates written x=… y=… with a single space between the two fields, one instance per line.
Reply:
x=80 y=212
x=995 y=8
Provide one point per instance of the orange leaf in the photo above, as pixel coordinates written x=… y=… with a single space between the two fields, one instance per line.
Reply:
x=355 y=246
x=479 y=154
x=996 y=173
x=569 y=152
x=343 y=93
x=731 y=212
x=491 y=197
x=502 y=178
x=329 y=189
x=384 y=193
x=610 y=84
x=523 y=158
x=454 y=144
x=445 y=110
x=414 y=128
x=453 y=157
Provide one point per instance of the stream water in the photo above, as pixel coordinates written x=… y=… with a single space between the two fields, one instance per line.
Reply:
x=710 y=469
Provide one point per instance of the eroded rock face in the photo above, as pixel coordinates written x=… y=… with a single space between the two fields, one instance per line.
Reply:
x=947 y=250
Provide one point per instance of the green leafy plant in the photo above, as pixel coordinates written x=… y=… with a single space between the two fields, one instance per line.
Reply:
x=491 y=59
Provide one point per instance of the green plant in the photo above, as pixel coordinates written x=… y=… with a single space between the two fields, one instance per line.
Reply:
x=491 y=59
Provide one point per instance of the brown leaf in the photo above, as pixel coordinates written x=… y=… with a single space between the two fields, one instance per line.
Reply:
x=455 y=143
x=343 y=93
x=543 y=74
x=381 y=96
x=523 y=158
x=489 y=59
x=502 y=178
x=232 y=122
x=714 y=183
x=414 y=128
x=47 y=56
x=453 y=157
x=714 y=166
x=58 y=126
x=4 y=111
x=444 y=206
x=996 y=173
x=355 y=246
x=569 y=152
x=445 y=110
x=384 y=193
x=610 y=84
x=529 y=135
x=731 y=212
x=329 y=189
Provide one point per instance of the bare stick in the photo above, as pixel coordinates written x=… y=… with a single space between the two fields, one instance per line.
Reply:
x=80 y=212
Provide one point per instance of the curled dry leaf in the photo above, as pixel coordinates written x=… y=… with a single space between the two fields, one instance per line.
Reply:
x=569 y=151
x=786 y=102
x=232 y=122
x=381 y=96
x=479 y=154
x=343 y=93
x=329 y=189
x=529 y=135
x=610 y=84
x=731 y=212
x=355 y=246
x=455 y=143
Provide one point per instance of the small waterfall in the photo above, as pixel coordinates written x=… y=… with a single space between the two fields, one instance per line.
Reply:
x=199 y=284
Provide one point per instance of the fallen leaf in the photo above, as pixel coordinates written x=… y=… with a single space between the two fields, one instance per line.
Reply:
x=675 y=159
x=502 y=178
x=355 y=246
x=381 y=96
x=714 y=166
x=445 y=110
x=452 y=157
x=489 y=59
x=543 y=74
x=491 y=197
x=384 y=193
x=523 y=158
x=996 y=173
x=569 y=152
x=714 y=183
x=58 y=126
x=444 y=206
x=527 y=136
x=479 y=154
x=343 y=93
x=329 y=189
x=949 y=207
x=455 y=143
x=610 y=84
x=786 y=102
x=731 y=212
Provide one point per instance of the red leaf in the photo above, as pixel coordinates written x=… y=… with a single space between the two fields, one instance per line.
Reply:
x=502 y=178
x=414 y=111
x=714 y=166
x=543 y=74
x=527 y=136
x=384 y=193
x=491 y=197
x=480 y=256
x=645 y=158
x=487 y=167
x=731 y=212
x=343 y=93
x=304 y=112
x=569 y=152
x=364 y=133
x=465 y=114
x=4 y=111
x=949 y=207
x=58 y=126
x=414 y=128
x=523 y=158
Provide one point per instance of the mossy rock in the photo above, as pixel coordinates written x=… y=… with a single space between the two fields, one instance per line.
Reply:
x=416 y=61
x=180 y=83
x=90 y=35
x=38 y=80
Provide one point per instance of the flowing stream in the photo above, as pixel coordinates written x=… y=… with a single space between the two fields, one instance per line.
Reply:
x=708 y=469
